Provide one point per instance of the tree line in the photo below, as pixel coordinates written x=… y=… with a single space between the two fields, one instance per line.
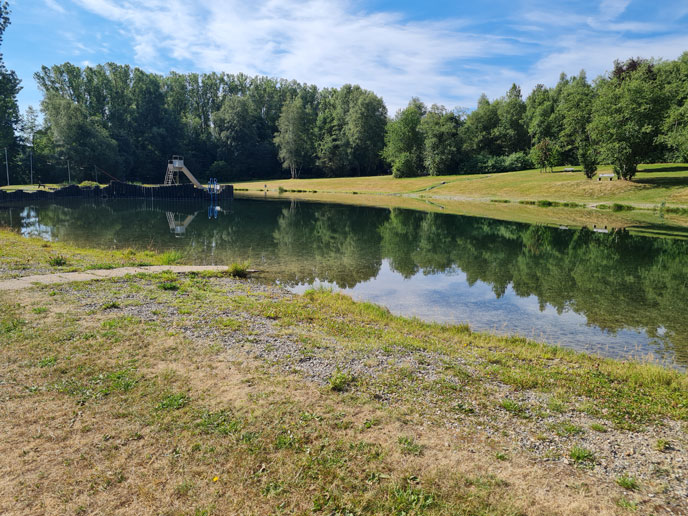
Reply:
x=118 y=121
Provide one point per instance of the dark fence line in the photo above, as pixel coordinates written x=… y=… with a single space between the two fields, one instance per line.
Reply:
x=117 y=190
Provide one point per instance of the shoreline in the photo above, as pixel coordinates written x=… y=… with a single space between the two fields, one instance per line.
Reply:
x=413 y=391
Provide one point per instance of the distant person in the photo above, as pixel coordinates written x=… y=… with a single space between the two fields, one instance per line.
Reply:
x=40 y=184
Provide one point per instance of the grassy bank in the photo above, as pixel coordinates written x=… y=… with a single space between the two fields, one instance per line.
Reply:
x=22 y=256
x=653 y=185
x=203 y=394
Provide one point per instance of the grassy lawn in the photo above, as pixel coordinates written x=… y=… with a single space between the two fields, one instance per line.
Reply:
x=202 y=394
x=653 y=185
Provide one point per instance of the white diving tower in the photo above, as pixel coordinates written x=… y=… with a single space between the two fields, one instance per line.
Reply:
x=176 y=165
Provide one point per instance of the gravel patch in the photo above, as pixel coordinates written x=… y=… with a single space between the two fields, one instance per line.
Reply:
x=546 y=436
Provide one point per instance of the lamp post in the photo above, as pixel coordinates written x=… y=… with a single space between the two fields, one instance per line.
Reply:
x=7 y=168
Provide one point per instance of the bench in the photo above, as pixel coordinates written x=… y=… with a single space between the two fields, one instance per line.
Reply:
x=600 y=176
x=569 y=169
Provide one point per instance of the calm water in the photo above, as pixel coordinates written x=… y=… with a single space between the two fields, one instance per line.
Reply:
x=615 y=294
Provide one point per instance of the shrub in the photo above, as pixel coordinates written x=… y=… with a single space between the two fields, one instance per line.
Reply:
x=238 y=270
x=57 y=261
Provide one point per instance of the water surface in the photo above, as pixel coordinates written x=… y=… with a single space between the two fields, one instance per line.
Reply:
x=615 y=294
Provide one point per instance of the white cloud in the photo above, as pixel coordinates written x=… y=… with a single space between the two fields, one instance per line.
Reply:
x=332 y=42
x=55 y=6
x=321 y=42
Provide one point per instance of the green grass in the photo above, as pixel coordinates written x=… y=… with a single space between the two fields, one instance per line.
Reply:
x=581 y=455
x=238 y=269
x=628 y=483
x=652 y=185
x=21 y=256
x=340 y=381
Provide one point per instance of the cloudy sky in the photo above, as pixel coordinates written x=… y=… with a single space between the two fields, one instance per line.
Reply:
x=445 y=52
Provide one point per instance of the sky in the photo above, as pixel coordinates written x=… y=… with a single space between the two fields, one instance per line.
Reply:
x=445 y=52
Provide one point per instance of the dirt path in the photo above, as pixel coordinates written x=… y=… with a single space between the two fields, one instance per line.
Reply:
x=66 y=277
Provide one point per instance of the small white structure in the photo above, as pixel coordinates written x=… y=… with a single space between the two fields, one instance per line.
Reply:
x=176 y=165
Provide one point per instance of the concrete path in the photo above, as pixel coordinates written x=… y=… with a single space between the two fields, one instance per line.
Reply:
x=66 y=277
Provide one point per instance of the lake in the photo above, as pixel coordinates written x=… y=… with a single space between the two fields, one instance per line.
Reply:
x=616 y=294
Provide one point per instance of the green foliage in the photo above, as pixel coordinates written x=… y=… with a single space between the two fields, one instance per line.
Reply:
x=295 y=137
x=587 y=157
x=340 y=381
x=409 y=446
x=627 y=116
x=57 y=261
x=581 y=455
x=628 y=482
x=238 y=270
x=173 y=402
x=404 y=141
x=545 y=155
x=171 y=257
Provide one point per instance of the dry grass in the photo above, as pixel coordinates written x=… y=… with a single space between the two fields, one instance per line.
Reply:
x=78 y=442
x=653 y=185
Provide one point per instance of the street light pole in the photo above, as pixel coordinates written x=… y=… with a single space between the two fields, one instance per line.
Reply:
x=69 y=174
x=7 y=168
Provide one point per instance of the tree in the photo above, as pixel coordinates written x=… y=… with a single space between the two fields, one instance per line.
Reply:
x=627 y=115
x=9 y=88
x=294 y=138
x=80 y=139
x=587 y=157
x=404 y=141
x=511 y=134
x=442 y=151
x=365 y=131
x=545 y=155
x=574 y=109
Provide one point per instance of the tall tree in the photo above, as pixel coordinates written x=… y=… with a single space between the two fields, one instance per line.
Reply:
x=294 y=138
x=627 y=115
x=442 y=153
x=404 y=141
x=9 y=88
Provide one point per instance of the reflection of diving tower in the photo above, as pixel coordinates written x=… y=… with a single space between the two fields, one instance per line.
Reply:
x=178 y=227
x=176 y=165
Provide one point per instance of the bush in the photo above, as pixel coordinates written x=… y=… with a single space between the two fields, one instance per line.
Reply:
x=405 y=166
x=587 y=158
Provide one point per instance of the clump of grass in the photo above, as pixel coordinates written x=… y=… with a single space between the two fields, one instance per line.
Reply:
x=547 y=204
x=39 y=310
x=340 y=381
x=110 y=305
x=280 y=190
x=238 y=270
x=581 y=455
x=598 y=427
x=621 y=207
x=515 y=408
x=500 y=200
x=501 y=456
x=57 y=261
x=565 y=429
x=530 y=203
x=168 y=285
x=170 y=257
x=409 y=500
x=409 y=446
x=662 y=445
x=624 y=503
x=220 y=422
x=627 y=482
x=676 y=211
x=173 y=402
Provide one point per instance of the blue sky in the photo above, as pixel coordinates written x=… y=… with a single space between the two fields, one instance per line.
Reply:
x=443 y=52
